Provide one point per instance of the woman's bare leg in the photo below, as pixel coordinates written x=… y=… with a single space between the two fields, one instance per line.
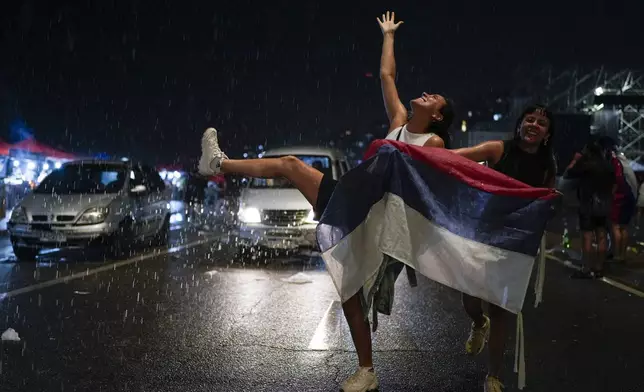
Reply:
x=617 y=242
x=474 y=308
x=623 y=250
x=213 y=160
x=360 y=331
x=498 y=334
x=305 y=178
x=480 y=328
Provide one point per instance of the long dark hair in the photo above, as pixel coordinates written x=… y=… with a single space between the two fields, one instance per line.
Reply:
x=441 y=128
x=608 y=146
x=546 y=151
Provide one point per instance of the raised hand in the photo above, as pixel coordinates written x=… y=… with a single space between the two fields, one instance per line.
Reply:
x=387 y=24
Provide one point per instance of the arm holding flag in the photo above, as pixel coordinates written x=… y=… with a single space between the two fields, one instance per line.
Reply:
x=489 y=152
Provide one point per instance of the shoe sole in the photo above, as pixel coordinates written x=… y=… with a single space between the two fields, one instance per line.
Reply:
x=204 y=167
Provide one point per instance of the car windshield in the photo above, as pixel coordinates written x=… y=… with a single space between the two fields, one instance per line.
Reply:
x=320 y=162
x=84 y=179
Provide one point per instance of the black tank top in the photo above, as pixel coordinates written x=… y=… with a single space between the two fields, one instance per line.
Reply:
x=532 y=169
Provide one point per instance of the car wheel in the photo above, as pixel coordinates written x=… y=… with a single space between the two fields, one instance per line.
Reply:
x=121 y=244
x=26 y=254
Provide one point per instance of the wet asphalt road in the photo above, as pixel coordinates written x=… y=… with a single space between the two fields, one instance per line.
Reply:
x=187 y=319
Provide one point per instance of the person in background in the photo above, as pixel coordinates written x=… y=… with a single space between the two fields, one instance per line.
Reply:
x=624 y=200
x=595 y=191
x=195 y=195
x=640 y=202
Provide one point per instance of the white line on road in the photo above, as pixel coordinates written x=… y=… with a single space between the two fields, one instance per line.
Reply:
x=320 y=337
x=106 y=267
x=604 y=279
x=622 y=286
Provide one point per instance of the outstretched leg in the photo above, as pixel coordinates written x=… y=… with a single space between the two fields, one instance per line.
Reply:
x=213 y=161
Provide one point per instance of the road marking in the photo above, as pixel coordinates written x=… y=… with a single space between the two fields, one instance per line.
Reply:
x=107 y=267
x=563 y=262
x=604 y=279
x=622 y=286
x=320 y=341
x=333 y=333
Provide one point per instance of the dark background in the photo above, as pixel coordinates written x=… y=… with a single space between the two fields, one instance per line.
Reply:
x=144 y=78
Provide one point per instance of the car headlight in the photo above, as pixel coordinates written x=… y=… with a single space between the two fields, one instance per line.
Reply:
x=93 y=216
x=249 y=215
x=18 y=215
x=311 y=217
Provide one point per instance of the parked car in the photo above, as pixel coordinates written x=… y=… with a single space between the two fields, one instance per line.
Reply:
x=92 y=203
x=273 y=214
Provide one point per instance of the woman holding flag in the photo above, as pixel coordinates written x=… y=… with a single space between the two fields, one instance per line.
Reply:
x=528 y=158
x=431 y=117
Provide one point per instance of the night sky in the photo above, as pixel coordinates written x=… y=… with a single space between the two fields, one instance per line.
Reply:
x=144 y=78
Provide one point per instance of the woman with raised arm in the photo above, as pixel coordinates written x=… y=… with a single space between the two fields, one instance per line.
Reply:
x=432 y=114
x=428 y=125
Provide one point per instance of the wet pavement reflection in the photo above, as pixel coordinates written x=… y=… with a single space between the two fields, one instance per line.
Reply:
x=188 y=317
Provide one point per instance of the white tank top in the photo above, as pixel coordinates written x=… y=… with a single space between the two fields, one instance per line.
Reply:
x=401 y=134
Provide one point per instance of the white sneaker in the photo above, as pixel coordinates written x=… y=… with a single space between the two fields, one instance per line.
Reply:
x=211 y=154
x=492 y=384
x=363 y=380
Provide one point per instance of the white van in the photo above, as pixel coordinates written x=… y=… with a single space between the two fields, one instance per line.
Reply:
x=273 y=214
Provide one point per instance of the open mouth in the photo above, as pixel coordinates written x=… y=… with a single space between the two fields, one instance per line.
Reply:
x=531 y=133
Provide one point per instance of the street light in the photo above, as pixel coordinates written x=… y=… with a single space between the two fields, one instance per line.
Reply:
x=599 y=91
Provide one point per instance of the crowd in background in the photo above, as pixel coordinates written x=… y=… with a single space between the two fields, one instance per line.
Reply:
x=607 y=191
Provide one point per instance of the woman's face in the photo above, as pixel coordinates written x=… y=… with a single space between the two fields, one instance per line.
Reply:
x=534 y=128
x=429 y=104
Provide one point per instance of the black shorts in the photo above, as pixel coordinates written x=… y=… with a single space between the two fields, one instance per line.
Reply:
x=327 y=186
x=592 y=223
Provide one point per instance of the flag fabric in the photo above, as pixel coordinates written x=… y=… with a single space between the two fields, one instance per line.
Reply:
x=453 y=220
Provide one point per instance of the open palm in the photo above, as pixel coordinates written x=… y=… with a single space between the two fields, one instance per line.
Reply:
x=387 y=24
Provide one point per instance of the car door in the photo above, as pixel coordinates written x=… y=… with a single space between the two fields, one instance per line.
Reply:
x=157 y=199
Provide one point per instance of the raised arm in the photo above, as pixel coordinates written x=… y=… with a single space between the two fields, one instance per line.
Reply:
x=490 y=152
x=395 y=109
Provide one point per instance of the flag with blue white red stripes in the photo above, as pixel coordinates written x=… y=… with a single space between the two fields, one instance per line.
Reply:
x=453 y=220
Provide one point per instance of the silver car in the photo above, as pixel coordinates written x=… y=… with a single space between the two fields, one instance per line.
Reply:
x=88 y=203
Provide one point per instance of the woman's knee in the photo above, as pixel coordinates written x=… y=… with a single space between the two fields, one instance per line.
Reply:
x=291 y=163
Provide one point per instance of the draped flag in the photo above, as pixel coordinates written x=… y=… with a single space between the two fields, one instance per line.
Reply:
x=454 y=221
